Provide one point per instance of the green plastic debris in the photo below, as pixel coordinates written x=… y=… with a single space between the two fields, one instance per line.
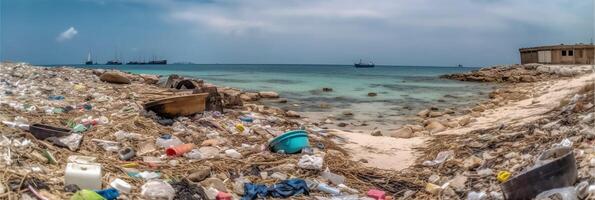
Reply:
x=79 y=128
x=47 y=154
x=86 y=195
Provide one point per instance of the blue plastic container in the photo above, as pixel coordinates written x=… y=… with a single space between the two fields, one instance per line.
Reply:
x=290 y=142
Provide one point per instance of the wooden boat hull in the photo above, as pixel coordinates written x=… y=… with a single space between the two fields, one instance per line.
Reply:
x=558 y=173
x=172 y=107
x=42 y=132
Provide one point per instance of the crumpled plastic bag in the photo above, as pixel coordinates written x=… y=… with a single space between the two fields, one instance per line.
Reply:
x=566 y=193
x=440 y=158
x=310 y=162
x=157 y=190
x=72 y=141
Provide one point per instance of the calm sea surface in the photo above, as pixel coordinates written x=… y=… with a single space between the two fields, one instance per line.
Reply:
x=401 y=90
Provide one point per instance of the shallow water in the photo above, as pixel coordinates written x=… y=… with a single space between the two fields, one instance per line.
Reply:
x=402 y=90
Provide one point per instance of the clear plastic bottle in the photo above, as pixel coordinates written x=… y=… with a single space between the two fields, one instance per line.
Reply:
x=328 y=189
x=167 y=140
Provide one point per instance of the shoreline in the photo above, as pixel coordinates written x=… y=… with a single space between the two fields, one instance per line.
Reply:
x=511 y=107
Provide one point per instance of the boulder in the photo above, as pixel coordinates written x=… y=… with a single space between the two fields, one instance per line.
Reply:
x=250 y=96
x=347 y=113
x=415 y=128
x=342 y=124
x=465 y=120
x=376 y=132
x=269 y=95
x=150 y=79
x=114 y=77
x=292 y=113
x=327 y=89
x=423 y=113
x=404 y=132
x=435 y=126
x=372 y=94
x=435 y=114
x=231 y=98
x=200 y=174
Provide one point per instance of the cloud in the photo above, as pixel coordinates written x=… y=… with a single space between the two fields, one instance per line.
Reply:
x=67 y=34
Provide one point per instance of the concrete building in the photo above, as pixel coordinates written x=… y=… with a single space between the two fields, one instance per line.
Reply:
x=559 y=54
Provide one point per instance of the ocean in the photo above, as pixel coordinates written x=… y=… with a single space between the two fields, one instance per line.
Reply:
x=401 y=91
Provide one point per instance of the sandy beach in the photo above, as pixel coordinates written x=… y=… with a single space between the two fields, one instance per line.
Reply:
x=496 y=134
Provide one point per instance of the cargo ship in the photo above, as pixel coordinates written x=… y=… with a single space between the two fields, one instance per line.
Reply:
x=363 y=65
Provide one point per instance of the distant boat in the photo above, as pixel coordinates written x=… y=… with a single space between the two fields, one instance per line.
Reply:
x=363 y=65
x=459 y=65
x=113 y=62
x=89 y=61
x=157 y=62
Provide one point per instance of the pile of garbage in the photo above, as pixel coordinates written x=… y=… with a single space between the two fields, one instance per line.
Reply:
x=71 y=133
x=550 y=158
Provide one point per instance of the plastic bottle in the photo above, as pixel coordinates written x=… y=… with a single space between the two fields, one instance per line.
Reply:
x=167 y=140
x=328 y=189
x=232 y=153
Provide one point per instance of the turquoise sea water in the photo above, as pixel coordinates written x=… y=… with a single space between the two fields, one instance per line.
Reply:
x=401 y=89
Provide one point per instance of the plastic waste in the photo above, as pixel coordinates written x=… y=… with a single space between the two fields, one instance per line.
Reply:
x=194 y=154
x=179 y=150
x=79 y=128
x=81 y=159
x=72 y=141
x=152 y=161
x=109 y=194
x=440 y=158
x=564 y=143
x=125 y=135
x=121 y=185
x=345 y=188
x=56 y=97
x=376 y=194
x=157 y=190
x=232 y=153
x=149 y=175
x=126 y=153
x=328 y=189
x=223 y=196
x=16 y=125
x=168 y=140
x=477 y=196
x=86 y=176
x=107 y=145
x=503 y=176
x=86 y=195
x=310 y=162
x=566 y=193
x=332 y=177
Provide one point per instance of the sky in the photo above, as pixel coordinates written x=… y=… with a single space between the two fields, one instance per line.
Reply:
x=388 y=32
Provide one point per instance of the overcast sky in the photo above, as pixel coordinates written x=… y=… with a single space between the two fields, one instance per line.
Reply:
x=391 y=32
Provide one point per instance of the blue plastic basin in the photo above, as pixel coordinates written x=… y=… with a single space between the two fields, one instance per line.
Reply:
x=290 y=142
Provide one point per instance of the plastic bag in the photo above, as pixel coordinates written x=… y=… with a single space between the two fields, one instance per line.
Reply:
x=440 y=158
x=157 y=190
x=566 y=193
x=310 y=162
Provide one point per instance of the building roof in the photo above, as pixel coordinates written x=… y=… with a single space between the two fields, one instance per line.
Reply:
x=557 y=47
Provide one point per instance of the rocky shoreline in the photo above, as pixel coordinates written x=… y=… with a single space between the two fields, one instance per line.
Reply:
x=464 y=152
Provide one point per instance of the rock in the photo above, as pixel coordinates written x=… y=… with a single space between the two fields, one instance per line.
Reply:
x=292 y=113
x=423 y=113
x=478 y=109
x=435 y=114
x=464 y=120
x=404 y=132
x=281 y=101
x=150 y=79
x=451 y=124
x=215 y=183
x=475 y=114
x=372 y=94
x=415 y=127
x=472 y=162
x=376 y=132
x=114 y=77
x=347 y=113
x=325 y=105
x=231 y=97
x=327 y=89
x=200 y=174
x=268 y=95
x=250 y=96
x=449 y=111
x=458 y=183
x=435 y=127
x=342 y=124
